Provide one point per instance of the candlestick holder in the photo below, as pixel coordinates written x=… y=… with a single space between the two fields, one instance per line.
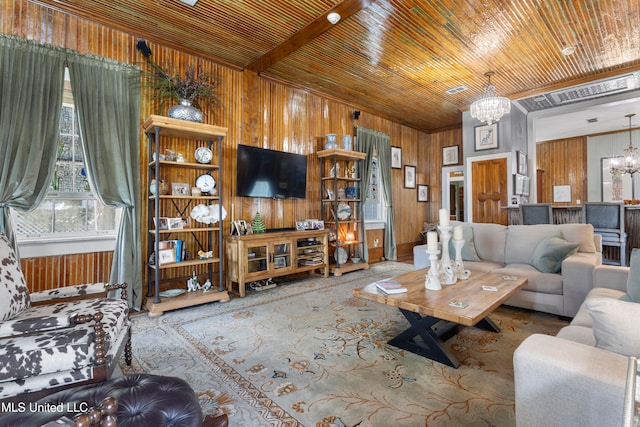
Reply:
x=432 y=278
x=447 y=276
x=458 y=267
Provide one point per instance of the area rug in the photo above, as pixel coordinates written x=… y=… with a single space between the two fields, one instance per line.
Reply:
x=307 y=353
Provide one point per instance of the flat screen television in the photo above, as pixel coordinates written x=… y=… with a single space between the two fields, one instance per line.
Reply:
x=271 y=174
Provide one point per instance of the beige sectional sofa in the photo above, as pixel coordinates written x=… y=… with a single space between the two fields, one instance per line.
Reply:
x=586 y=374
x=520 y=250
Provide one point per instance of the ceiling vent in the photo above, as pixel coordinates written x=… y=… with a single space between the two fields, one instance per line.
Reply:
x=594 y=90
x=593 y=120
x=456 y=90
x=570 y=95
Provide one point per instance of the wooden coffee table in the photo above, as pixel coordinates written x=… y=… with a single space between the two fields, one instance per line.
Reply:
x=426 y=310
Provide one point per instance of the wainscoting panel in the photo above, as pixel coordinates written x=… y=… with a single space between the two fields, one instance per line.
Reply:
x=51 y=272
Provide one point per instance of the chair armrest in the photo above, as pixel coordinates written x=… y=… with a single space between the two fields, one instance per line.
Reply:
x=69 y=293
x=78 y=292
x=577 y=279
x=610 y=276
x=565 y=383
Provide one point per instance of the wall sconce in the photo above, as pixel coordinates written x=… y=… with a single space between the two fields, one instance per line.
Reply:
x=356 y=115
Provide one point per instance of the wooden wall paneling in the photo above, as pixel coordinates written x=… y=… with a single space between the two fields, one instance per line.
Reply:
x=256 y=111
x=563 y=162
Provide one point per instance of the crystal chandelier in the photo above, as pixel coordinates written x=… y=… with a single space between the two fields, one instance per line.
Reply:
x=630 y=162
x=490 y=108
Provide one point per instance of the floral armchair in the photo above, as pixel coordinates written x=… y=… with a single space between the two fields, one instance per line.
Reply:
x=60 y=338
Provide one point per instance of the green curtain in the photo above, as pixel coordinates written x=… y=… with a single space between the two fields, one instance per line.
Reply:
x=367 y=141
x=31 y=89
x=107 y=98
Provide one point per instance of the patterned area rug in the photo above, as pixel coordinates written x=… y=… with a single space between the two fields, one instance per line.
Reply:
x=308 y=353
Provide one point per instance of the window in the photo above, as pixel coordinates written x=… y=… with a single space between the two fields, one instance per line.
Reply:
x=70 y=215
x=374 y=206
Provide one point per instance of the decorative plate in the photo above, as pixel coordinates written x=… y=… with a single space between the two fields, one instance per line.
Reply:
x=171 y=293
x=206 y=183
x=203 y=155
x=341 y=255
x=344 y=211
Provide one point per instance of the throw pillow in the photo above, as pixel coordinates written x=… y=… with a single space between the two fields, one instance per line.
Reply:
x=551 y=251
x=633 y=280
x=14 y=295
x=613 y=325
x=468 y=250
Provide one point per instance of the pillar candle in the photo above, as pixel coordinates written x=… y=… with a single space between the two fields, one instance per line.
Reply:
x=444 y=217
x=457 y=233
x=432 y=241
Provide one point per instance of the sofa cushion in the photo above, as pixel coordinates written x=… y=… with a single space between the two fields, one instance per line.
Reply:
x=14 y=295
x=489 y=241
x=612 y=326
x=581 y=233
x=546 y=283
x=523 y=239
x=469 y=249
x=581 y=334
x=633 y=280
x=550 y=252
x=482 y=266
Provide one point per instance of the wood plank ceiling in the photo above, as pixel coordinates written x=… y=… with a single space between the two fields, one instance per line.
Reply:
x=394 y=58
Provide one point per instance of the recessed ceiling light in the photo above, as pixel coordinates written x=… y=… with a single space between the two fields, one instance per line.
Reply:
x=568 y=50
x=190 y=2
x=333 y=17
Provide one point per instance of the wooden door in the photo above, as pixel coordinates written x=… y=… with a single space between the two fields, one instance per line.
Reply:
x=489 y=191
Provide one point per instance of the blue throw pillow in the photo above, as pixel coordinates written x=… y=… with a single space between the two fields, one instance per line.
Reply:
x=548 y=255
x=633 y=281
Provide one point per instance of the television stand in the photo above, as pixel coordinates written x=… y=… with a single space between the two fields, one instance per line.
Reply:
x=253 y=257
x=279 y=230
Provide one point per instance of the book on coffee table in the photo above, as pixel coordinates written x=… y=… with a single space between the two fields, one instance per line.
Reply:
x=390 y=286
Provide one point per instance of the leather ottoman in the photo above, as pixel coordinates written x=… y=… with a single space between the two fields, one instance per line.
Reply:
x=143 y=401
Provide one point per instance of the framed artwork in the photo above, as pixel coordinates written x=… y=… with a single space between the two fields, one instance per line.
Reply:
x=162 y=223
x=521 y=185
x=423 y=193
x=486 y=137
x=175 y=223
x=409 y=176
x=450 y=155
x=180 y=189
x=396 y=157
x=522 y=162
x=166 y=256
x=561 y=193
x=279 y=262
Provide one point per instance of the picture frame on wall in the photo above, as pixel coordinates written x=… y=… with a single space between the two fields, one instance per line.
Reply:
x=522 y=162
x=423 y=193
x=396 y=157
x=486 y=137
x=409 y=176
x=450 y=155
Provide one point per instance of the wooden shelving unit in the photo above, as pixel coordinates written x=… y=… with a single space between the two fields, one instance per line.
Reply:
x=340 y=169
x=160 y=129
